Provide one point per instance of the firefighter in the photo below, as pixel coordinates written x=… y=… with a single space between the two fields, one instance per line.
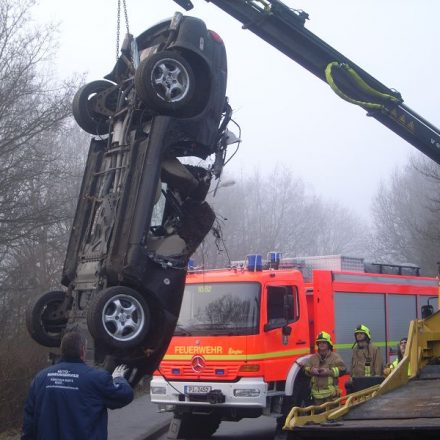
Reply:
x=324 y=367
x=366 y=359
x=400 y=353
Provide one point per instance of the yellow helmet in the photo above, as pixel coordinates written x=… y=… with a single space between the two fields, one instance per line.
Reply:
x=324 y=337
x=362 y=329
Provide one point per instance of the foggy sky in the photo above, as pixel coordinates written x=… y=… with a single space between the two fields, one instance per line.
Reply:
x=288 y=116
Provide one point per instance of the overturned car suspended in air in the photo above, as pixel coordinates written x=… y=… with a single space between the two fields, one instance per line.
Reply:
x=141 y=211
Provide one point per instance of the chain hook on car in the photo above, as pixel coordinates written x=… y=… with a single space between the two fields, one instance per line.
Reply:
x=118 y=24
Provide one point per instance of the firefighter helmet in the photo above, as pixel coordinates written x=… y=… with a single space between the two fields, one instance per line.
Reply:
x=363 y=329
x=324 y=337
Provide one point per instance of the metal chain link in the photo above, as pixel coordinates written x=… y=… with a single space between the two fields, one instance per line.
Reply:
x=126 y=15
x=118 y=27
x=118 y=24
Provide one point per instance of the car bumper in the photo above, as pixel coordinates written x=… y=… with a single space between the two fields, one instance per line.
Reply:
x=249 y=392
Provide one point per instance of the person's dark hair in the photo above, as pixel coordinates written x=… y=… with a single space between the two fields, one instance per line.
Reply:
x=399 y=351
x=72 y=345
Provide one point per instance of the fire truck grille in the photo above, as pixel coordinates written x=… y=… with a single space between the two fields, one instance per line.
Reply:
x=185 y=371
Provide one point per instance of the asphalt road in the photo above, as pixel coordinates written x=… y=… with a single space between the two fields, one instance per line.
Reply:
x=137 y=421
x=262 y=428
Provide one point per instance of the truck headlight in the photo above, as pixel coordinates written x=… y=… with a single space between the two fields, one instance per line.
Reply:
x=158 y=390
x=246 y=392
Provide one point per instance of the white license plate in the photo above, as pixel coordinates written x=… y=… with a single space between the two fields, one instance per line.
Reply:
x=198 y=389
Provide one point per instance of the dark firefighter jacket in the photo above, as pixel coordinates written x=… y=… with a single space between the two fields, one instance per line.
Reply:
x=69 y=401
x=366 y=361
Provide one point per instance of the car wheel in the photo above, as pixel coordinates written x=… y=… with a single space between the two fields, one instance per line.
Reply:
x=165 y=82
x=45 y=320
x=119 y=317
x=93 y=104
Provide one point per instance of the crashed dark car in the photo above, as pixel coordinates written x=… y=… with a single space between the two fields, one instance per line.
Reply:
x=141 y=212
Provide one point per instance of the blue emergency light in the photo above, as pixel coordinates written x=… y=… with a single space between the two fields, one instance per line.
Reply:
x=274 y=257
x=254 y=263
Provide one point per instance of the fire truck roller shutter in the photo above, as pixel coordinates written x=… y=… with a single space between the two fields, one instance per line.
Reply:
x=401 y=310
x=352 y=309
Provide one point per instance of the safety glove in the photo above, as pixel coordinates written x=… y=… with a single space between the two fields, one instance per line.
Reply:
x=120 y=371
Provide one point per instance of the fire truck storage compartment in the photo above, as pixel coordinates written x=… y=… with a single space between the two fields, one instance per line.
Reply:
x=386 y=313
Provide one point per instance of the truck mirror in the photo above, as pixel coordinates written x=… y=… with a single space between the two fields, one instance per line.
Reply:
x=287 y=331
x=275 y=323
x=427 y=310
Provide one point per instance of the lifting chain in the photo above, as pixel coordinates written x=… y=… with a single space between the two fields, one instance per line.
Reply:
x=118 y=25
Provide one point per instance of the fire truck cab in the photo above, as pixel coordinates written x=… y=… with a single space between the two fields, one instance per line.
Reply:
x=243 y=331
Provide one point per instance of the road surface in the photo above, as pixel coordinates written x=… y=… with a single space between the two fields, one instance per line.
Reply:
x=262 y=428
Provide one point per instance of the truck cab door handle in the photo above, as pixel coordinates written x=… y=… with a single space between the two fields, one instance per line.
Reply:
x=301 y=342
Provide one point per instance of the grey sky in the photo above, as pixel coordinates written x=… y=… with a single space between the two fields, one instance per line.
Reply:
x=287 y=115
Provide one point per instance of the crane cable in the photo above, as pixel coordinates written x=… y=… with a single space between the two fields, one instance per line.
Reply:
x=118 y=24
x=363 y=86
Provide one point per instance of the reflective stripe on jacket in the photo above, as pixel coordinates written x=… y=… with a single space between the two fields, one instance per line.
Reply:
x=325 y=386
x=394 y=364
x=366 y=361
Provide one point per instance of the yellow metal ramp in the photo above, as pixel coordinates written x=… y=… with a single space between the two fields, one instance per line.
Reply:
x=406 y=405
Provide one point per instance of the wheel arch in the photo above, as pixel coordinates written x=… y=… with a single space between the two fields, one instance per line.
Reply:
x=203 y=75
x=294 y=374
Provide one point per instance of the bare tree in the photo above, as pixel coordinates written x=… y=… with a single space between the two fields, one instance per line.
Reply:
x=32 y=105
x=276 y=212
x=38 y=190
x=406 y=212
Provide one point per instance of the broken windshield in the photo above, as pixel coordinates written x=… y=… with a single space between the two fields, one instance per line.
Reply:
x=220 y=308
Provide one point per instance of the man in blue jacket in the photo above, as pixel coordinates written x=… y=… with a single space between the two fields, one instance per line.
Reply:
x=69 y=400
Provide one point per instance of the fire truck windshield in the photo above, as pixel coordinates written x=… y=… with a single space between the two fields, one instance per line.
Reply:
x=219 y=309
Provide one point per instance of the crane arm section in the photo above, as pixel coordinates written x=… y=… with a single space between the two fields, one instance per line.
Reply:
x=284 y=28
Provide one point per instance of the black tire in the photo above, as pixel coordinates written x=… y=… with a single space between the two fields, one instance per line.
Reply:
x=165 y=82
x=300 y=397
x=198 y=426
x=45 y=321
x=85 y=100
x=119 y=317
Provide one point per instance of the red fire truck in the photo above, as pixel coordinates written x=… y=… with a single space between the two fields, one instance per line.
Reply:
x=243 y=330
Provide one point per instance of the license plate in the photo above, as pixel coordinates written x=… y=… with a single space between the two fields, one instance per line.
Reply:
x=197 y=389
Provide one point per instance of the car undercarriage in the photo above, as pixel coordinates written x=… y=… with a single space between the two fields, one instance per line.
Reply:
x=141 y=211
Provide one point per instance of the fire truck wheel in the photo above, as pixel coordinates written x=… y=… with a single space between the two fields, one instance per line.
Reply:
x=91 y=108
x=119 y=317
x=301 y=391
x=45 y=320
x=165 y=82
x=299 y=397
x=198 y=426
